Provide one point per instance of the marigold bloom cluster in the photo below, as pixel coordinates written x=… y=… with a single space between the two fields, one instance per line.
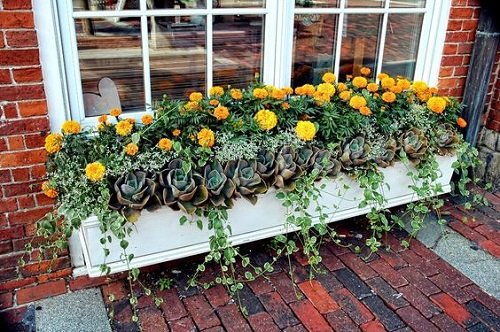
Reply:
x=71 y=127
x=436 y=104
x=359 y=82
x=195 y=96
x=305 y=130
x=260 y=93
x=461 y=122
x=53 y=143
x=236 y=94
x=95 y=171
x=115 y=112
x=329 y=77
x=131 y=149
x=147 y=119
x=357 y=101
x=389 y=97
x=305 y=90
x=216 y=91
x=206 y=137
x=48 y=190
x=124 y=127
x=165 y=144
x=221 y=113
x=266 y=119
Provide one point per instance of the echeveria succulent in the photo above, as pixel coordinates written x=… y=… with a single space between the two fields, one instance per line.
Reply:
x=288 y=170
x=132 y=193
x=183 y=188
x=220 y=187
x=414 y=143
x=385 y=157
x=244 y=175
x=446 y=139
x=267 y=166
x=325 y=163
x=354 y=152
x=304 y=157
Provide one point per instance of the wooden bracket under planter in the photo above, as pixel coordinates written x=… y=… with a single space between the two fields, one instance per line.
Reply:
x=159 y=237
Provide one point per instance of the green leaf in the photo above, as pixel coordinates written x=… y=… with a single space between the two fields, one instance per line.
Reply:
x=124 y=244
x=136 y=137
x=183 y=220
x=199 y=224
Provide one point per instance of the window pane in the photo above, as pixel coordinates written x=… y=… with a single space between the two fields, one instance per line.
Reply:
x=177 y=52
x=401 y=44
x=237 y=46
x=239 y=3
x=360 y=43
x=176 y=4
x=110 y=48
x=83 y=5
x=313 y=49
x=408 y=3
x=365 y=3
x=316 y=4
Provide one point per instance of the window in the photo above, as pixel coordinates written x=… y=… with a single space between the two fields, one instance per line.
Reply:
x=148 y=48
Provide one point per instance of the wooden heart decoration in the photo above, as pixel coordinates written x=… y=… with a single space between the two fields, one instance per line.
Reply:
x=100 y=103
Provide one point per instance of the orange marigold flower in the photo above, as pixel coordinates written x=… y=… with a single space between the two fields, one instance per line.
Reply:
x=115 y=112
x=71 y=127
x=103 y=118
x=365 y=71
x=206 y=137
x=327 y=89
x=372 y=87
x=147 y=119
x=214 y=102
x=424 y=95
x=436 y=104
x=357 y=102
x=321 y=98
x=389 y=97
x=124 y=128
x=131 y=149
x=433 y=90
x=53 y=143
x=288 y=90
x=221 y=113
x=48 y=190
x=403 y=83
x=285 y=105
x=176 y=132
x=305 y=90
x=419 y=86
x=365 y=110
x=236 y=94
x=95 y=171
x=395 y=89
x=381 y=76
x=328 y=77
x=359 y=82
x=461 y=122
x=191 y=106
x=131 y=120
x=260 y=93
x=165 y=144
x=278 y=94
x=216 y=91
x=387 y=82
x=345 y=95
x=341 y=87
x=195 y=96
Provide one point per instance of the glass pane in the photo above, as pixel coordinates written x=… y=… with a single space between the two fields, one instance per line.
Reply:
x=365 y=3
x=237 y=46
x=408 y=3
x=316 y=4
x=177 y=55
x=313 y=47
x=84 y=5
x=239 y=3
x=401 y=44
x=360 y=43
x=176 y=4
x=110 y=48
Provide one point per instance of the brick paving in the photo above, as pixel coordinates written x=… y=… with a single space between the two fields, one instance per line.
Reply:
x=395 y=289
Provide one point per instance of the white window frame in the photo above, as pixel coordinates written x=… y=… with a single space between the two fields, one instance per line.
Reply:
x=60 y=65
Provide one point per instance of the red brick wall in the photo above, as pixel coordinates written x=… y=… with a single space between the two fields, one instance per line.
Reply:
x=493 y=119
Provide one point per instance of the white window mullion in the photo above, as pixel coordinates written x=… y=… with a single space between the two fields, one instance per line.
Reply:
x=145 y=60
x=338 y=42
x=278 y=43
x=210 y=47
x=380 y=52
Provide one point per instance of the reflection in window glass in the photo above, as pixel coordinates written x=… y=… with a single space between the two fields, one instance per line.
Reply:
x=313 y=48
x=401 y=44
x=407 y=3
x=237 y=46
x=316 y=3
x=111 y=48
x=360 y=43
x=177 y=55
x=83 y=5
x=365 y=3
x=176 y=4
x=239 y=3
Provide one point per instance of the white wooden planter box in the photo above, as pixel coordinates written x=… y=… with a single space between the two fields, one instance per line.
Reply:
x=158 y=236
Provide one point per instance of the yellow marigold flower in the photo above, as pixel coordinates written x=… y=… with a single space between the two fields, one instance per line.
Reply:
x=433 y=90
x=372 y=87
x=419 y=86
x=387 y=82
x=147 y=119
x=436 y=104
x=329 y=77
x=359 y=82
x=404 y=84
x=395 y=89
x=206 y=137
x=327 y=89
x=53 y=143
x=260 y=93
x=424 y=95
x=285 y=105
x=214 y=102
x=95 y=171
x=221 y=113
x=461 y=122
x=345 y=95
x=216 y=91
x=320 y=98
x=365 y=71
x=115 y=112
x=71 y=127
x=131 y=149
x=176 y=132
x=48 y=190
x=195 y=96
x=357 y=102
x=124 y=128
x=365 y=110
x=305 y=90
x=305 y=130
x=236 y=94
x=266 y=119
x=103 y=118
x=341 y=87
x=381 y=76
x=100 y=126
x=288 y=90
x=192 y=106
x=278 y=94
x=165 y=144
x=389 y=97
